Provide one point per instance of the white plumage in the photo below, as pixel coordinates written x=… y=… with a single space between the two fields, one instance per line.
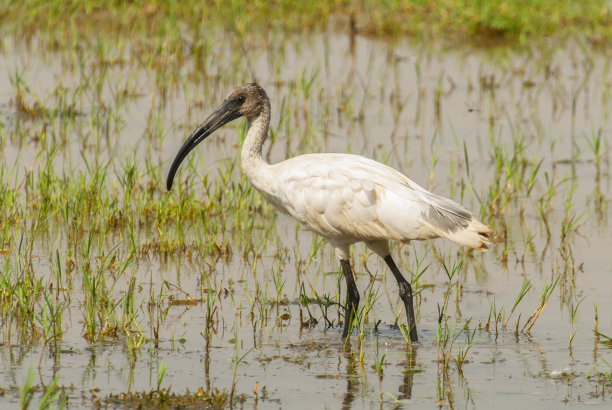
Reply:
x=348 y=198
x=344 y=198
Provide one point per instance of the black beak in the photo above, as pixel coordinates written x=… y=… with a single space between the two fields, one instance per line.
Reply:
x=227 y=112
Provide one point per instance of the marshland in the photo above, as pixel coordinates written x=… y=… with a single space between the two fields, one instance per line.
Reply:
x=115 y=292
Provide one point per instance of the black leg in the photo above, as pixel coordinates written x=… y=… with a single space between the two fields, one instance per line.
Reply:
x=405 y=293
x=352 y=295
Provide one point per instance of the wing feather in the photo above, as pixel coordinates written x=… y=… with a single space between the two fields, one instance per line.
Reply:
x=350 y=197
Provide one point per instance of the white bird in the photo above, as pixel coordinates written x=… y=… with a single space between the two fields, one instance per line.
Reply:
x=343 y=198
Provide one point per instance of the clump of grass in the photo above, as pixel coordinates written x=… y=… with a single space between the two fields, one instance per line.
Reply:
x=236 y=359
x=52 y=396
x=166 y=399
x=362 y=318
x=463 y=350
x=379 y=362
x=447 y=333
x=494 y=316
x=524 y=289
x=547 y=291
x=602 y=378
x=573 y=311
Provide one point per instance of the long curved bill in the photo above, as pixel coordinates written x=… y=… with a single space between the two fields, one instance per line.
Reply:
x=224 y=114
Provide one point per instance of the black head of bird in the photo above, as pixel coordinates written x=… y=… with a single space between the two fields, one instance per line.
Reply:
x=246 y=101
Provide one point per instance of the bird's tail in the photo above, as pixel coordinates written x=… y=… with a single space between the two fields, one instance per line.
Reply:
x=475 y=234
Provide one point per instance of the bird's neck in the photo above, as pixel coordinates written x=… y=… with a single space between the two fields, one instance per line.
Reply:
x=251 y=158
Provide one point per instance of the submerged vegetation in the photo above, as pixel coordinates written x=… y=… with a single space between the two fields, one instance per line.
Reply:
x=205 y=296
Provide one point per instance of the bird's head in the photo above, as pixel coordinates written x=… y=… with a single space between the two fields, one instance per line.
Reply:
x=245 y=101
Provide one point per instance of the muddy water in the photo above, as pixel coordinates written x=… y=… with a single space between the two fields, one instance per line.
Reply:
x=419 y=108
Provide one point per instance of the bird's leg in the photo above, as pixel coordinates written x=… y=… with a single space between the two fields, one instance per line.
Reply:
x=405 y=293
x=352 y=295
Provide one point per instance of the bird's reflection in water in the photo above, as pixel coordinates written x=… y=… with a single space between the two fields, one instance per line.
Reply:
x=352 y=379
x=405 y=389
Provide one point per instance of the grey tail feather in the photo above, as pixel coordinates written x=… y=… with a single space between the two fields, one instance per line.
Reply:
x=447 y=215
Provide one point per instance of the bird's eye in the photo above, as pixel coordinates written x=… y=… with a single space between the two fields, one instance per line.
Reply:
x=240 y=99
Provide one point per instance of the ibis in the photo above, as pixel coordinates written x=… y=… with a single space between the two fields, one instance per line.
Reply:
x=344 y=198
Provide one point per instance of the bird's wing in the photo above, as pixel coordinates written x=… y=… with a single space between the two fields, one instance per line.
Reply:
x=351 y=197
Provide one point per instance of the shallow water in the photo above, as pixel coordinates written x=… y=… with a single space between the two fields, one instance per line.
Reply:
x=419 y=108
